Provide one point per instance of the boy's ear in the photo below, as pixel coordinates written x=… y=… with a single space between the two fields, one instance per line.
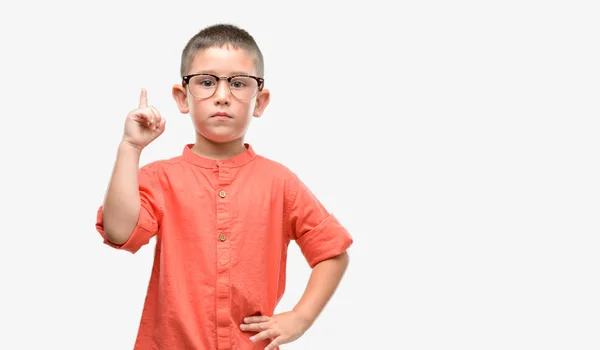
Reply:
x=180 y=96
x=262 y=100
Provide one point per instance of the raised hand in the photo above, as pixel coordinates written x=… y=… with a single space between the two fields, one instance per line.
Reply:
x=143 y=125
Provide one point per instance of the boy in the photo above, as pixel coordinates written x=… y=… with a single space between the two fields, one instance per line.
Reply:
x=222 y=215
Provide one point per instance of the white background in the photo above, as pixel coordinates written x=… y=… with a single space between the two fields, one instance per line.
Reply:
x=457 y=141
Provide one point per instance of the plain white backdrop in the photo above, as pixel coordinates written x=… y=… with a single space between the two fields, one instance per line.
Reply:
x=457 y=141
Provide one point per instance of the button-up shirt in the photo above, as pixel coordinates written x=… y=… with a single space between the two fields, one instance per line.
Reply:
x=222 y=230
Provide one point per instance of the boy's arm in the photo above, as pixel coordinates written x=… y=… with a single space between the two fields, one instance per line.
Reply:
x=120 y=212
x=121 y=206
x=324 y=280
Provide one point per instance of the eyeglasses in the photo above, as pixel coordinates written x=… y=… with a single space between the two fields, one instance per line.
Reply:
x=242 y=86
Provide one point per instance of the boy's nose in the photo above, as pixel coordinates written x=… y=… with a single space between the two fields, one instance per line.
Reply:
x=222 y=92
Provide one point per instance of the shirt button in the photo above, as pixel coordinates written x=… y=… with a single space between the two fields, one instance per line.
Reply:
x=222 y=194
x=222 y=237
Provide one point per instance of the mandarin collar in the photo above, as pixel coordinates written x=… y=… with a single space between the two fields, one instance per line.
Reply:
x=235 y=161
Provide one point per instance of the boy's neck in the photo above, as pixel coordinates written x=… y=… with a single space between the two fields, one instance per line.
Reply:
x=215 y=150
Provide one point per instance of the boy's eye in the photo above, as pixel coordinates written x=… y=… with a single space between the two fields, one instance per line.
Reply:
x=206 y=83
x=238 y=84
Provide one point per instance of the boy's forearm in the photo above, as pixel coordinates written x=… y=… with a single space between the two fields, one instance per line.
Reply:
x=323 y=282
x=122 y=201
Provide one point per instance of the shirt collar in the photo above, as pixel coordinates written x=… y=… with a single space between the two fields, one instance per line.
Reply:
x=235 y=161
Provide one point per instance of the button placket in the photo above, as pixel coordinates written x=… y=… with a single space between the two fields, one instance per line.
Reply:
x=223 y=295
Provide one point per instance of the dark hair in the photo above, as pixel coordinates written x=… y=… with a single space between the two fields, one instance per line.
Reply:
x=220 y=35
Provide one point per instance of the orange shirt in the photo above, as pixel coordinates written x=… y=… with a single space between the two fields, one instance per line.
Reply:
x=222 y=231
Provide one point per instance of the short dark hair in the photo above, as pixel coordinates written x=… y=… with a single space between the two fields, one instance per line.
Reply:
x=220 y=35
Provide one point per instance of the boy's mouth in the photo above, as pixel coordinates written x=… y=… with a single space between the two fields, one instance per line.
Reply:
x=221 y=115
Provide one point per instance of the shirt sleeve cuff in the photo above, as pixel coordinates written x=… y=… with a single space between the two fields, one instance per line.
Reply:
x=141 y=235
x=324 y=241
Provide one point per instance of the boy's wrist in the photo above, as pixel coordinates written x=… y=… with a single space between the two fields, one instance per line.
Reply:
x=305 y=315
x=128 y=146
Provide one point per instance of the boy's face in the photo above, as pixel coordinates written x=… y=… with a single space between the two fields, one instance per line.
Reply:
x=237 y=113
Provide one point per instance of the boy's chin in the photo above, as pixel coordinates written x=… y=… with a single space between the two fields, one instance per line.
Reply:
x=220 y=138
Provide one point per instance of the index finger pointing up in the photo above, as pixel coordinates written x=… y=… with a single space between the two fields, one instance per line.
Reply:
x=143 y=99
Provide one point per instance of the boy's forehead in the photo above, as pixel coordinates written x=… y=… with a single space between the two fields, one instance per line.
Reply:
x=226 y=60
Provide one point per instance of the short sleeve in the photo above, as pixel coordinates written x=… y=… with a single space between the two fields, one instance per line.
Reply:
x=148 y=219
x=317 y=232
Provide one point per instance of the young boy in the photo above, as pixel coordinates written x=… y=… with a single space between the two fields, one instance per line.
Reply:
x=223 y=216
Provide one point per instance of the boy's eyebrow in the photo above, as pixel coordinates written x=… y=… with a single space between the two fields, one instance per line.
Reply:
x=215 y=73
